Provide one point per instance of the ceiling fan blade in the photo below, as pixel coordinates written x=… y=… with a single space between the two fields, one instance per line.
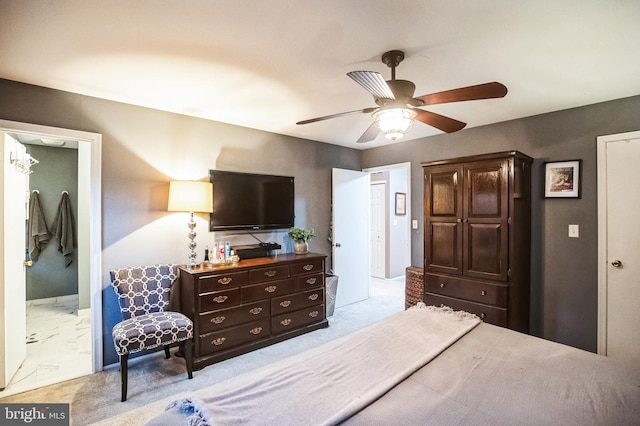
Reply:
x=446 y=124
x=470 y=93
x=369 y=134
x=340 y=114
x=373 y=83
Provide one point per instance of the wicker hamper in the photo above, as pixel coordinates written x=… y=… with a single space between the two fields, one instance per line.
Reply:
x=414 y=287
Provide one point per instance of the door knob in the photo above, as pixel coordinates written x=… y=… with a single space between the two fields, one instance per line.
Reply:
x=616 y=264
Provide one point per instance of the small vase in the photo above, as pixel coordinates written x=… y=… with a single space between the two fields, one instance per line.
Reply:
x=300 y=247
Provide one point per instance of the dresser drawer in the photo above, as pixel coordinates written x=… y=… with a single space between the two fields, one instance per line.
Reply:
x=306 y=267
x=224 y=318
x=267 y=290
x=309 y=281
x=293 y=302
x=230 y=337
x=207 y=283
x=490 y=314
x=292 y=320
x=219 y=299
x=274 y=272
x=477 y=291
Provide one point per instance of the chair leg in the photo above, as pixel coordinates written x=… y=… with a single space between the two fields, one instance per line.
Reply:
x=167 y=355
x=124 y=372
x=188 y=357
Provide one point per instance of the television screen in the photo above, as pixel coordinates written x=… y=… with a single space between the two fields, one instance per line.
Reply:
x=251 y=201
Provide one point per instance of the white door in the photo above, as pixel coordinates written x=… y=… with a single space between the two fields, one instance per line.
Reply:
x=619 y=247
x=378 y=229
x=13 y=293
x=350 y=251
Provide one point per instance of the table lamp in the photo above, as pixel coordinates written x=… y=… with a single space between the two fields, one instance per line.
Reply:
x=191 y=196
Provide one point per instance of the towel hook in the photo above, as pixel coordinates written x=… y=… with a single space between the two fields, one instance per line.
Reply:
x=65 y=192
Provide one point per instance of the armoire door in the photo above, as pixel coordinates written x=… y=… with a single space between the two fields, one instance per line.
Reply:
x=485 y=220
x=443 y=219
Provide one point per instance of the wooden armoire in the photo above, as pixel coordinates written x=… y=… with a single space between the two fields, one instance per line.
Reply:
x=477 y=241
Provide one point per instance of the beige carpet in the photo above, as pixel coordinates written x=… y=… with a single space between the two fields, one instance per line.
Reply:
x=154 y=381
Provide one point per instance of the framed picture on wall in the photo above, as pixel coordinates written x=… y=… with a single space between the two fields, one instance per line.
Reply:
x=401 y=204
x=562 y=179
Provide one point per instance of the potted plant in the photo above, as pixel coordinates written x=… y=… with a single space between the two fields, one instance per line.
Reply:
x=301 y=237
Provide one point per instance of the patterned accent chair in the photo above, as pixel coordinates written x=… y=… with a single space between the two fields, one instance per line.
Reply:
x=143 y=295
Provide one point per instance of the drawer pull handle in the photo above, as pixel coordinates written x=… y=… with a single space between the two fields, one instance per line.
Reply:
x=256 y=330
x=218 y=320
x=285 y=321
x=218 y=341
x=307 y=267
x=271 y=289
x=483 y=293
x=311 y=281
x=482 y=315
x=271 y=274
x=285 y=303
x=441 y=285
x=220 y=299
x=313 y=296
x=225 y=280
x=313 y=314
x=255 y=311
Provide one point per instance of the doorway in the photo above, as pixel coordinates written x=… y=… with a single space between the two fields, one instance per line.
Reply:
x=89 y=238
x=392 y=213
x=618 y=247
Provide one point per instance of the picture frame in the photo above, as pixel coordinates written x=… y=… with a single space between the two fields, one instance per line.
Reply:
x=401 y=203
x=562 y=179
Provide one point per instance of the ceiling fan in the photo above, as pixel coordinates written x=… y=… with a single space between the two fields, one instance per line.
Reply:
x=397 y=108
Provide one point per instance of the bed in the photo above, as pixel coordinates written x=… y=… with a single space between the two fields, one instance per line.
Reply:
x=424 y=366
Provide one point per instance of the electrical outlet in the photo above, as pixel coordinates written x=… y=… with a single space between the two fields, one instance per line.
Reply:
x=574 y=231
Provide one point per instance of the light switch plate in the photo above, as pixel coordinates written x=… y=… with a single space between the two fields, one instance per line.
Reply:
x=574 y=231
x=414 y=224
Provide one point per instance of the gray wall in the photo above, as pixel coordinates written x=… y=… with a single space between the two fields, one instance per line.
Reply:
x=143 y=149
x=56 y=171
x=564 y=284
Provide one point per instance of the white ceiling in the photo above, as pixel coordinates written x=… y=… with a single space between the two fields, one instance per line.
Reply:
x=268 y=64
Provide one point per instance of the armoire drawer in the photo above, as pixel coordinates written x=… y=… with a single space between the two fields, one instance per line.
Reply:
x=230 y=337
x=293 y=302
x=476 y=291
x=267 y=290
x=222 y=281
x=490 y=314
x=217 y=320
x=296 y=319
x=219 y=299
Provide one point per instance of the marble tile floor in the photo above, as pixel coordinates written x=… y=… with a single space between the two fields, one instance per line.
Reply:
x=58 y=344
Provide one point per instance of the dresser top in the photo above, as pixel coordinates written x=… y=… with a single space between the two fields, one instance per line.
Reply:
x=258 y=261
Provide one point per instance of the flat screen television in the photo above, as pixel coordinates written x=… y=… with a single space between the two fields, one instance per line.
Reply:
x=247 y=201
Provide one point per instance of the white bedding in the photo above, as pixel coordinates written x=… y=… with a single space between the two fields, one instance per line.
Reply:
x=332 y=382
x=426 y=367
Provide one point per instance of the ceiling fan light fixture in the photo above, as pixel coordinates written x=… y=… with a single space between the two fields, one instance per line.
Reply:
x=394 y=122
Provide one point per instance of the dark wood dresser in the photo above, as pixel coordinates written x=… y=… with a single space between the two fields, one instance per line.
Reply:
x=477 y=242
x=256 y=303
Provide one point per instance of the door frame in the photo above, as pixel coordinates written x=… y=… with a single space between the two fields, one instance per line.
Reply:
x=603 y=232
x=90 y=159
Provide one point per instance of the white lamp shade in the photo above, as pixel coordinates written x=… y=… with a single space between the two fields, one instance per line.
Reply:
x=190 y=196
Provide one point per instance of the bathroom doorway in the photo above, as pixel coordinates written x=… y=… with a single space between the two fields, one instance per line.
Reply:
x=63 y=310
